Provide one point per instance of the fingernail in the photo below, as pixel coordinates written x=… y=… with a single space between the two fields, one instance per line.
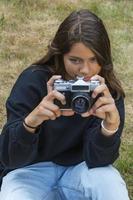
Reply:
x=92 y=78
x=93 y=95
x=63 y=102
x=94 y=111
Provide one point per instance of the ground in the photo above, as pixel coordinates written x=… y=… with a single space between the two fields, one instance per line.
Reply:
x=26 y=28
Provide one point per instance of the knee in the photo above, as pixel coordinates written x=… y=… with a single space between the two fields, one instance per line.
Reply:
x=94 y=182
x=104 y=182
x=103 y=177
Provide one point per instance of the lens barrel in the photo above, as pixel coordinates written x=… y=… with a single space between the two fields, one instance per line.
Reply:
x=80 y=102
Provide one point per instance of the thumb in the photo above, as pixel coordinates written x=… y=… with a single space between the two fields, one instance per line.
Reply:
x=51 y=82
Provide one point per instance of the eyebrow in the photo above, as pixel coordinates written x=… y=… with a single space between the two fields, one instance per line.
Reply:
x=75 y=57
x=81 y=58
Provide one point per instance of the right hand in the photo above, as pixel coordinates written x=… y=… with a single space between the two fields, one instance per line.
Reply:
x=47 y=109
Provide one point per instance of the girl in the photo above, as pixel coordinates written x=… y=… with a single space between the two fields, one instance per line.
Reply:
x=47 y=153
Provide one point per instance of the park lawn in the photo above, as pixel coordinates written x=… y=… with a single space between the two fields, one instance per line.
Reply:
x=26 y=27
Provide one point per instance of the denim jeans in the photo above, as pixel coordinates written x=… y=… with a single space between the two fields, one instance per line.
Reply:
x=49 y=181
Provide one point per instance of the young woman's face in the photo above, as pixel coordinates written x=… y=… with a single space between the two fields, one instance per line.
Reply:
x=81 y=61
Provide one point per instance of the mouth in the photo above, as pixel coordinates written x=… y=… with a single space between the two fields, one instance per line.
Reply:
x=87 y=78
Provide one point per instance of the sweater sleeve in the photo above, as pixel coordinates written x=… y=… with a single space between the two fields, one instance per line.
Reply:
x=100 y=150
x=18 y=147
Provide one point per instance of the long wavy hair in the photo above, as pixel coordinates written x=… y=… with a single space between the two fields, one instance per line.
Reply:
x=82 y=26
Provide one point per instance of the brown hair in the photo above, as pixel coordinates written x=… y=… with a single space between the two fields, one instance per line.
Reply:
x=83 y=26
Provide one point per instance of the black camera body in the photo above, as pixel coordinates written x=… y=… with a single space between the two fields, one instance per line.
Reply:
x=78 y=94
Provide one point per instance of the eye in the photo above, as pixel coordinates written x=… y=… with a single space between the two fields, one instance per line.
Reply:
x=93 y=60
x=75 y=60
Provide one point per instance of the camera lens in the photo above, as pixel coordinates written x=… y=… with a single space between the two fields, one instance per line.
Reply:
x=80 y=102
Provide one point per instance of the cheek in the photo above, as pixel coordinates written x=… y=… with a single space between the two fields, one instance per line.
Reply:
x=97 y=69
x=69 y=67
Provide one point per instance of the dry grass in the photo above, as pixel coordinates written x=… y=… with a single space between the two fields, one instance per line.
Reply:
x=26 y=27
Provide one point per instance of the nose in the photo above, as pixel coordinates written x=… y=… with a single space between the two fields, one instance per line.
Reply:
x=84 y=69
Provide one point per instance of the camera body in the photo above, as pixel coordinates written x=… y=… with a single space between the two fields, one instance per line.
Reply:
x=78 y=94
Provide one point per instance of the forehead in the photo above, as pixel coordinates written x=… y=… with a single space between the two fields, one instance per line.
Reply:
x=79 y=49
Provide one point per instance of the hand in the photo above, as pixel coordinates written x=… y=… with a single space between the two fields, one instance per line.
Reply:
x=104 y=107
x=47 y=109
x=69 y=112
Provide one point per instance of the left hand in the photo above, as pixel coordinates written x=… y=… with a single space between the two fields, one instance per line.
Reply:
x=104 y=107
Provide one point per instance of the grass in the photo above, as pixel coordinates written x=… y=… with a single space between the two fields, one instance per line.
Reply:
x=26 y=27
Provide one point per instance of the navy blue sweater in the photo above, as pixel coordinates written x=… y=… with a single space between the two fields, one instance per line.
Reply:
x=65 y=141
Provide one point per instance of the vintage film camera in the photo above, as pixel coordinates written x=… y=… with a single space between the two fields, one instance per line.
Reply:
x=77 y=93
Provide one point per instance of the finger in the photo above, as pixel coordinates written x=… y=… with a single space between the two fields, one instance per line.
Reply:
x=51 y=81
x=67 y=112
x=105 y=108
x=102 y=101
x=52 y=107
x=47 y=114
x=87 y=114
x=97 y=77
x=101 y=115
x=101 y=89
x=54 y=94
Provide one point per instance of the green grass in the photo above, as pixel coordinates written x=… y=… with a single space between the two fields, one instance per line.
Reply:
x=26 y=27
